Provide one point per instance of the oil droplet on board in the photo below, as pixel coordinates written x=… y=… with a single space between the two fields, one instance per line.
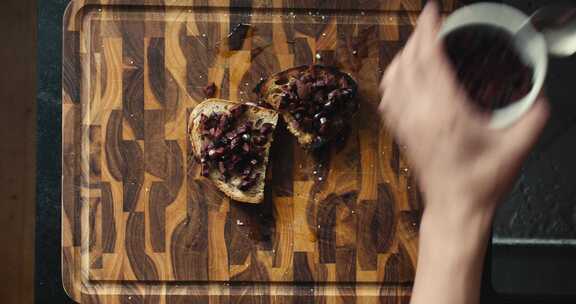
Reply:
x=354 y=52
x=312 y=237
x=323 y=34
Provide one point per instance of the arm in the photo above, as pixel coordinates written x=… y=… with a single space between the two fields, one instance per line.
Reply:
x=450 y=257
x=462 y=165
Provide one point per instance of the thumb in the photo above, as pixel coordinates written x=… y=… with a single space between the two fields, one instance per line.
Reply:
x=521 y=136
x=429 y=20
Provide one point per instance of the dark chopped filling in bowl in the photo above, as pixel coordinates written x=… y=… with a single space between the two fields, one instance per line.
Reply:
x=233 y=147
x=488 y=65
x=320 y=102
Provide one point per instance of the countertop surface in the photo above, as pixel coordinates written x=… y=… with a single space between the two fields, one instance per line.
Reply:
x=541 y=208
x=542 y=205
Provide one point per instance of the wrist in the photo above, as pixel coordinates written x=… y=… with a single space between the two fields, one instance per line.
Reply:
x=457 y=208
x=457 y=223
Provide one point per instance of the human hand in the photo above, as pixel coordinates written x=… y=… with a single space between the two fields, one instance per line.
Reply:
x=462 y=164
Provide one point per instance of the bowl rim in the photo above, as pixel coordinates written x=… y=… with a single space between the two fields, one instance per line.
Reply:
x=533 y=53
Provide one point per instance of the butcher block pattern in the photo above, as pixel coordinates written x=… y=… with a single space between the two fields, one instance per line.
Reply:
x=139 y=223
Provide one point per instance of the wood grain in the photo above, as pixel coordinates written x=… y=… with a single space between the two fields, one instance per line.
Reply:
x=337 y=226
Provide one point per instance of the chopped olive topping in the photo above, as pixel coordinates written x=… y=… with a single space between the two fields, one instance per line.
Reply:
x=319 y=102
x=232 y=147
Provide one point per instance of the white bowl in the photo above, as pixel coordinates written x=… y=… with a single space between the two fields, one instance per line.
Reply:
x=529 y=43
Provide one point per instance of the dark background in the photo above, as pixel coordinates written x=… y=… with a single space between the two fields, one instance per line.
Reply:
x=531 y=259
x=543 y=202
x=17 y=149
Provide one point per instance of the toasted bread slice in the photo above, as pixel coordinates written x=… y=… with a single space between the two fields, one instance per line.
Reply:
x=272 y=90
x=258 y=116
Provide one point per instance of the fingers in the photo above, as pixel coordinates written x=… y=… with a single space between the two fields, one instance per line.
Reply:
x=426 y=30
x=391 y=105
x=425 y=33
x=390 y=81
x=524 y=134
x=429 y=21
x=389 y=74
x=411 y=64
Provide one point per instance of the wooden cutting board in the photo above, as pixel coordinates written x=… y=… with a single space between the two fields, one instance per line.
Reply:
x=139 y=223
